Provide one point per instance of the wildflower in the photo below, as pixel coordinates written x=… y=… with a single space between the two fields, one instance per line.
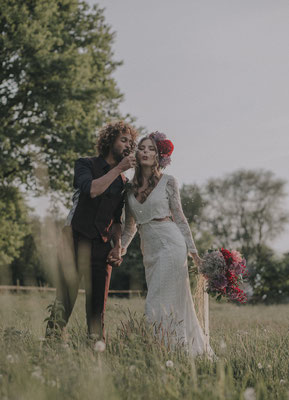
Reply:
x=260 y=366
x=249 y=394
x=242 y=333
x=99 y=346
x=269 y=366
x=223 y=344
x=37 y=371
x=92 y=336
x=169 y=364
x=10 y=358
x=282 y=381
x=236 y=256
x=37 y=374
x=132 y=368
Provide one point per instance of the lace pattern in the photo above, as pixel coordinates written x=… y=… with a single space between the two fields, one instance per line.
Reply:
x=172 y=202
x=165 y=247
x=130 y=228
x=178 y=215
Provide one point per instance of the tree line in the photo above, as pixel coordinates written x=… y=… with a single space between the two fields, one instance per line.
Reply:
x=57 y=87
x=243 y=210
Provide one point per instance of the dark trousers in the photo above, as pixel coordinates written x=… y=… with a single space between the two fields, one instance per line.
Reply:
x=90 y=257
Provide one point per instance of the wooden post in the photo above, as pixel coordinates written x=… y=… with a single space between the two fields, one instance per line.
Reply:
x=206 y=315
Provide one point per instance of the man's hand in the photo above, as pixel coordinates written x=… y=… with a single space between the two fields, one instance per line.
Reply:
x=127 y=163
x=114 y=257
x=99 y=185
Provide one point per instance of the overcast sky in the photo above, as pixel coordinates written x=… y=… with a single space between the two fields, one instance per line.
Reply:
x=213 y=75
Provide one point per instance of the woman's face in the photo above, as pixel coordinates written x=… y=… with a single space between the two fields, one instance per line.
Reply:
x=146 y=153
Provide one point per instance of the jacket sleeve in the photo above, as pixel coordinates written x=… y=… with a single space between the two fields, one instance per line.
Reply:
x=83 y=175
x=118 y=212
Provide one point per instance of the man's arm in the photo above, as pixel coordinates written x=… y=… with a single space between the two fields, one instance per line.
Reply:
x=84 y=181
x=99 y=185
x=115 y=253
x=116 y=235
x=114 y=256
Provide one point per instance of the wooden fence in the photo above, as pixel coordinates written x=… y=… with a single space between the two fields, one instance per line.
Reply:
x=18 y=288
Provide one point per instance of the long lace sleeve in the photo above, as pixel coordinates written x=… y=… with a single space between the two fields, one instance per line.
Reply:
x=129 y=228
x=178 y=215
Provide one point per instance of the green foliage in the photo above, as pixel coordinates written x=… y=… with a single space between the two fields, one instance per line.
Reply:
x=55 y=320
x=245 y=210
x=269 y=277
x=56 y=88
x=13 y=223
x=192 y=202
x=27 y=268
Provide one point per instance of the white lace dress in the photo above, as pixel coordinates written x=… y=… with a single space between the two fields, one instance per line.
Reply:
x=165 y=246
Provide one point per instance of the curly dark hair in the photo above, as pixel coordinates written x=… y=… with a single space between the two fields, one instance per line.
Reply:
x=109 y=133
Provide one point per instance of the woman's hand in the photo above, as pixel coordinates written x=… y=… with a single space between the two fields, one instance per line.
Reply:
x=114 y=257
x=197 y=260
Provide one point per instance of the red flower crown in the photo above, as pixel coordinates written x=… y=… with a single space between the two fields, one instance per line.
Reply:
x=165 y=147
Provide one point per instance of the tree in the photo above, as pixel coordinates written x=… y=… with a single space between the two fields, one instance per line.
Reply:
x=13 y=223
x=26 y=268
x=192 y=202
x=37 y=256
x=270 y=278
x=56 y=88
x=245 y=210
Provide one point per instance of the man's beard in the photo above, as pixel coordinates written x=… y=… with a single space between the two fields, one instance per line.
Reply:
x=117 y=155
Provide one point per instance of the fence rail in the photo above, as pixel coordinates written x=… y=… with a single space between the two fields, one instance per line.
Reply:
x=50 y=289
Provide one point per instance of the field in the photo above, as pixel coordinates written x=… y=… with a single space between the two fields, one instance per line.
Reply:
x=251 y=342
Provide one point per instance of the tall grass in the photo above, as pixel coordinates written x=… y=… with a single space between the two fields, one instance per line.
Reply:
x=251 y=342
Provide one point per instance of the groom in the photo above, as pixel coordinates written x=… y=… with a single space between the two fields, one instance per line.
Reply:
x=95 y=220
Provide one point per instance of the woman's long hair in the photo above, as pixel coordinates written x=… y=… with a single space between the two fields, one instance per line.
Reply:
x=137 y=180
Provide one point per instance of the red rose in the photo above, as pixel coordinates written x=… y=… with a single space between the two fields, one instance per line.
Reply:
x=227 y=255
x=165 y=147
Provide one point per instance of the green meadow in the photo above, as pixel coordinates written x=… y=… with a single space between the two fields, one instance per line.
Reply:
x=251 y=342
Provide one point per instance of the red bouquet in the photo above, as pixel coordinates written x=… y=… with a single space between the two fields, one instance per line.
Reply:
x=225 y=271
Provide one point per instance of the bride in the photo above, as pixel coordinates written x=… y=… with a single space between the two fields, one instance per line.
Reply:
x=153 y=207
